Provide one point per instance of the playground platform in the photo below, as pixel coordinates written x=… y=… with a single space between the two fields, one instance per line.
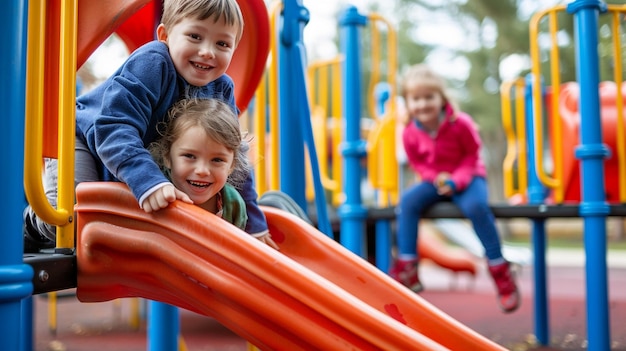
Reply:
x=106 y=326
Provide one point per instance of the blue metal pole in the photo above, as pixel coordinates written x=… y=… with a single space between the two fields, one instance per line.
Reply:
x=28 y=311
x=536 y=195
x=296 y=116
x=15 y=276
x=592 y=152
x=292 y=176
x=352 y=214
x=163 y=326
x=383 y=245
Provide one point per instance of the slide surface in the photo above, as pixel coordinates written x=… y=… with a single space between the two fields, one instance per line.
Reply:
x=462 y=233
x=456 y=259
x=312 y=294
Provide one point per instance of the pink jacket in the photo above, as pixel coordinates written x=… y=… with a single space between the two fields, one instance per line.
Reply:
x=454 y=149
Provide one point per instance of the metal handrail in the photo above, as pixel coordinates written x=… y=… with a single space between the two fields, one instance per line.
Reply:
x=383 y=169
x=514 y=128
x=62 y=217
x=556 y=182
x=551 y=182
x=318 y=73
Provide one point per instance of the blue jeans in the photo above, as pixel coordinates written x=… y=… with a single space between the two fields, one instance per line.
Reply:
x=472 y=202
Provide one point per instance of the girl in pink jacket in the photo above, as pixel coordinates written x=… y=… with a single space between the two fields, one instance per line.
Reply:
x=443 y=146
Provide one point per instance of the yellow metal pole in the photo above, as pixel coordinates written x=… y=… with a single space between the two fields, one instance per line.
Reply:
x=273 y=96
x=33 y=145
x=511 y=148
x=557 y=141
x=619 y=103
x=537 y=98
x=67 y=121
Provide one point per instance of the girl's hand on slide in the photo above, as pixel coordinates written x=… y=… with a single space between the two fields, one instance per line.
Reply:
x=162 y=197
x=266 y=238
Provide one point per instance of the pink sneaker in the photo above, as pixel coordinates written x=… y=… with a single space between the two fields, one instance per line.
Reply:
x=508 y=294
x=405 y=272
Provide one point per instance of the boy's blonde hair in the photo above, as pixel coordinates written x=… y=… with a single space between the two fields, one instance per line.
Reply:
x=421 y=75
x=220 y=123
x=226 y=10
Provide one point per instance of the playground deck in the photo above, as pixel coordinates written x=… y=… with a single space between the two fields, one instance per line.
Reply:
x=82 y=327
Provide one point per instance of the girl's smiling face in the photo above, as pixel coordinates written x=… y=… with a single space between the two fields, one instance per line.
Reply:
x=200 y=49
x=199 y=166
x=424 y=104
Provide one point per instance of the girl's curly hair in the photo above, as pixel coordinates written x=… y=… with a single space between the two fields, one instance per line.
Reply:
x=219 y=122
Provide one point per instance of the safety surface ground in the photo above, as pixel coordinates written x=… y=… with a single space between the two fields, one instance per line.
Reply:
x=113 y=325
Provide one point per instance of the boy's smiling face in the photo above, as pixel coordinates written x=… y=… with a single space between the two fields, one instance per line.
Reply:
x=200 y=49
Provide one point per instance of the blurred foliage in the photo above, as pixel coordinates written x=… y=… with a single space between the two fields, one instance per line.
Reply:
x=495 y=31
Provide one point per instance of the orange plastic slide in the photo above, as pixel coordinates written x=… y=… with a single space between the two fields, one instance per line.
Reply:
x=456 y=259
x=312 y=294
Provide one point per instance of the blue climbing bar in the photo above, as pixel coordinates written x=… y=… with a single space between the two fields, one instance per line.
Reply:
x=536 y=195
x=292 y=176
x=592 y=152
x=15 y=276
x=163 y=326
x=295 y=115
x=352 y=214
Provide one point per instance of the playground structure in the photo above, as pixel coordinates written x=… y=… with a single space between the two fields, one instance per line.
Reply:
x=586 y=121
x=568 y=109
x=313 y=269
x=393 y=327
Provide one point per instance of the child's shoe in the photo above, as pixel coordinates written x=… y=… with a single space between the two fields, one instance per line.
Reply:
x=405 y=272
x=508 y=294
x=33 y=241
